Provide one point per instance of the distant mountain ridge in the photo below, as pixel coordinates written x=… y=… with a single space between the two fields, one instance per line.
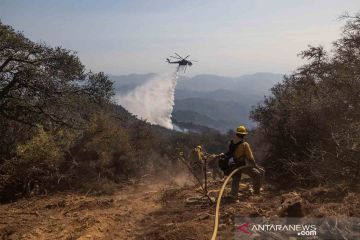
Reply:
x=213 y=101
x=259 y=81
x=125 y=83
x=205 y=82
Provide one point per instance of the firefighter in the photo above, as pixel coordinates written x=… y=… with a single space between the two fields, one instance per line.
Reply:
x=242 y=155
x=197 y=161
x=201 y=156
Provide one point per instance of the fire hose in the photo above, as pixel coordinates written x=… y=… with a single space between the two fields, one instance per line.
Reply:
x=216 y=222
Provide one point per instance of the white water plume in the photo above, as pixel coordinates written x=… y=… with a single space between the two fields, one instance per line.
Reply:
x=152 y=101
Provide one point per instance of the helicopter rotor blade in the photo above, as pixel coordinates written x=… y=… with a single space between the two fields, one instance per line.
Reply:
x=187 y=56
x=178 y=55
x=175 y=57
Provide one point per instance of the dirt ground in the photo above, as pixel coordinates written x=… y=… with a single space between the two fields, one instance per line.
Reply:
x=158 y=209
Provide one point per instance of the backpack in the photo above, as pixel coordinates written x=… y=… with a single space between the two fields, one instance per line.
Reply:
x=224 y=161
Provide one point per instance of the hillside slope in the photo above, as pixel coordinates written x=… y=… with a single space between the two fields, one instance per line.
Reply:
x=174 y=210
x=222 y=115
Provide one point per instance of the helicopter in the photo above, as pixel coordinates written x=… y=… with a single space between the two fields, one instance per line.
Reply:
x=182 y=62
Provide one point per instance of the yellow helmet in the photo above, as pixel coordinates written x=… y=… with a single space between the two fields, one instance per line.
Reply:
x=241 y=130
x=199 y=147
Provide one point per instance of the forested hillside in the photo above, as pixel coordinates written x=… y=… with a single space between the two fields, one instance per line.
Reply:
x=60 y=130
x=217 y=102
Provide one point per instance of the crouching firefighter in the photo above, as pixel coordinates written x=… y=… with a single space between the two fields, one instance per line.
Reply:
x=238 y=152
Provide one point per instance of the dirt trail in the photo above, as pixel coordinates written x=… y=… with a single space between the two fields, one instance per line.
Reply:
x=74 y=216
x=151 y=209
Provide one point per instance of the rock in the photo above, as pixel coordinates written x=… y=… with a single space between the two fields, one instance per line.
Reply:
x=291 y=205
x=203 y=216
x=222 y=227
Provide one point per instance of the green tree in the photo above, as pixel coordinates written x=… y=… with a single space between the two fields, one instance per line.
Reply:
x=312 y=118
x=43 y=85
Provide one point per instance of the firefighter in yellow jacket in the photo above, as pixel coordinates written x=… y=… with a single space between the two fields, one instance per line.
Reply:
x=211 y=160
x=242 y=154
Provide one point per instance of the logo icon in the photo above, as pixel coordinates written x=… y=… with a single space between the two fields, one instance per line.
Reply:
x=244 y=228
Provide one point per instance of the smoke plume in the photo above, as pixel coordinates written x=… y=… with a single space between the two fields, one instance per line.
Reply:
x=152 y=101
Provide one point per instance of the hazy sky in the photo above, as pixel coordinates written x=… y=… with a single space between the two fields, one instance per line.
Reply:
x=227 y=37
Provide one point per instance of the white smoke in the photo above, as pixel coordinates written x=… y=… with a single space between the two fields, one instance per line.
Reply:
x=152 y=101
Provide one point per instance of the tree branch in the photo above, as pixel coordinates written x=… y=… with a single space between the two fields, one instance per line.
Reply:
x=7 y=88
x=5 y=63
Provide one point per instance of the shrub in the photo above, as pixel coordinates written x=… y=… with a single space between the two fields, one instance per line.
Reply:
x=102 y=150
x=34 y=169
